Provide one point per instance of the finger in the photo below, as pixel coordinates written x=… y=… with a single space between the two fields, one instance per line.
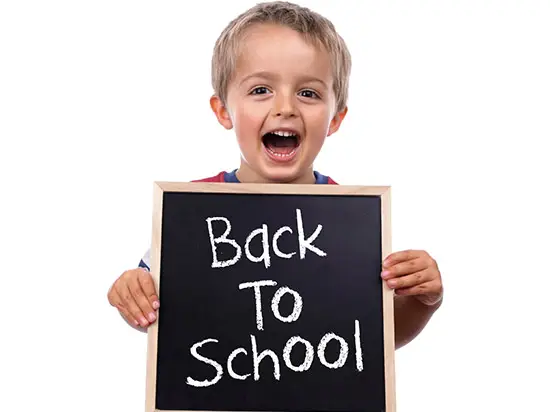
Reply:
x=401 y=256
x=131 y=305
x=428 y=293
x=404 y=268
x=144 y=305
x=116 y=301
x=148 y=287
x=421 y=289
x=409 y=281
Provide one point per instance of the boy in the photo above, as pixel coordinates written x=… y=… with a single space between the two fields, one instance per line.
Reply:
x=280 y=76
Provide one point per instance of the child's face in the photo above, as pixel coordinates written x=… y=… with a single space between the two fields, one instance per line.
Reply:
x=281 y=84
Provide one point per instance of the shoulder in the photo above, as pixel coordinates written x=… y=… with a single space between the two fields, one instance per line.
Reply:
x=322 y=179
x=225 y=177
x=220 y=177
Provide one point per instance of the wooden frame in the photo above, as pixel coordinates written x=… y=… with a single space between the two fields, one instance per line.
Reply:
x=384 y=192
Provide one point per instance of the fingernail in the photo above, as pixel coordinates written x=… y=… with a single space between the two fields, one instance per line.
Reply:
x=385 y=274
x=156 y=305
x=136 y=323
x=152 y=317
x=143 y=321
x=392 y=282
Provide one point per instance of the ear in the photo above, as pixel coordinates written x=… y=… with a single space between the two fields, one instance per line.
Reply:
x=337 y=121
x=221 y=112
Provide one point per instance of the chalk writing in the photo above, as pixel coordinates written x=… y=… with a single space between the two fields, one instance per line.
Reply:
x=304 y=243
x=257 y=353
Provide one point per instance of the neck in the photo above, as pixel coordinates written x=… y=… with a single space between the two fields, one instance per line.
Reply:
x=246 y=175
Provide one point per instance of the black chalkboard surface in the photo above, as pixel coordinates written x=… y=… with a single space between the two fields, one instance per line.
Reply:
x=271 y=299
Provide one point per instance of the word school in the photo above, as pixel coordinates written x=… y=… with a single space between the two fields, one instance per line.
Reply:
x=304 y=244
x=257 y=357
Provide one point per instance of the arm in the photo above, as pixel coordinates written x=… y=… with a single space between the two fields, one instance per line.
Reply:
x=410 y=317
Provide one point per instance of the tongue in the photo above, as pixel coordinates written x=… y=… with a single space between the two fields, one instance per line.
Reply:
x=280 y=144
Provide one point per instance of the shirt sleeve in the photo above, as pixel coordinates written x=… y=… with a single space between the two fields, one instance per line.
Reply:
x=145 y=261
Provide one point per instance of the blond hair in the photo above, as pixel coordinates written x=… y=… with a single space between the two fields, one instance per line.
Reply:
x=315 y=28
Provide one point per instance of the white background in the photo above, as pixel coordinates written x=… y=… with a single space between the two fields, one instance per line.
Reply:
x=449 y=104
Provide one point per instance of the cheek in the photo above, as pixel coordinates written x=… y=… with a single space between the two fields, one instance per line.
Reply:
x=319 y=121
x=248 y=119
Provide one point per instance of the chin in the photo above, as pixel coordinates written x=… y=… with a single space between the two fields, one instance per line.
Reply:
x=282 y=174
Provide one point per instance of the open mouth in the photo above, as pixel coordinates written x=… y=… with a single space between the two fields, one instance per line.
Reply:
x=281 y=145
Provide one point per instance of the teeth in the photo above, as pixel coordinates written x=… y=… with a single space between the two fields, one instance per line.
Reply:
x=283 y=133
x=281 y=154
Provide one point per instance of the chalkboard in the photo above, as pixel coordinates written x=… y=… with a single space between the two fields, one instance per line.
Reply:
x=271 y=299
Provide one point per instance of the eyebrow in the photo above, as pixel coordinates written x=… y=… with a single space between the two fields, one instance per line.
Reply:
x=271 y=76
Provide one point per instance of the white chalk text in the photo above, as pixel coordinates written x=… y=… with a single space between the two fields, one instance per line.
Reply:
x=304 y=244
x=258 y=356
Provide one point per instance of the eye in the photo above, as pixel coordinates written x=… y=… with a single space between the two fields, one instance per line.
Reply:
x=309 y=94
x=260 y=90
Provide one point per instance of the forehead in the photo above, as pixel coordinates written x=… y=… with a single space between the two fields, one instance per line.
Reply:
x=282 y=51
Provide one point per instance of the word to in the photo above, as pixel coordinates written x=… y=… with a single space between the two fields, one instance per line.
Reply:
x=296 y=310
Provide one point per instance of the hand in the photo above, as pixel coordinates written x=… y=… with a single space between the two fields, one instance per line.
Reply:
x=414 y=273
x=134 y=295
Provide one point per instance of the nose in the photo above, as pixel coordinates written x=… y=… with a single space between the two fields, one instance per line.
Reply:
x=284 y=105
